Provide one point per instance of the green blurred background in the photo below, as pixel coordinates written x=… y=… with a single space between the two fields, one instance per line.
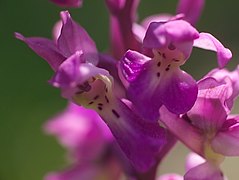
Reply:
x=27 y=100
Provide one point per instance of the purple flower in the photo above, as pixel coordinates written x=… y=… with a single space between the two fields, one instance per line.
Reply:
x=68 y=3
x=209 y=128
x=93 y=87
x=89 y=142
x=157 y=81
x=81 y=131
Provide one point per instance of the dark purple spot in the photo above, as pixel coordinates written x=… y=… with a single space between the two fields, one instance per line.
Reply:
x=176 y=60
x=115 y=113
x=84 y=87
x=100 y=104
x=164 y=56
x=158 y=74
x=159 y=64
x=171 y=47
x=96 y=97
x=91 y=102
x=107 y=100
x=100 y=108
x=167 y=69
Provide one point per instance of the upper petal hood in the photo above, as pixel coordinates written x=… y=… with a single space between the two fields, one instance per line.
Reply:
x=177 y=32
x=74 y=38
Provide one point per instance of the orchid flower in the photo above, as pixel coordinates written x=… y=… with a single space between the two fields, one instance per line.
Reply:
x=207 y=128
x=68 y=3
x=82 y=82
x=157 y=81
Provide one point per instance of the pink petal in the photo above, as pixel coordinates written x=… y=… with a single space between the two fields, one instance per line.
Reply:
x=209 y=42
x=183 y=130
x=205 y=171
x=45 y=48
x=170 y=177
x=226 y=142
x=74 y=38
x=193 y=160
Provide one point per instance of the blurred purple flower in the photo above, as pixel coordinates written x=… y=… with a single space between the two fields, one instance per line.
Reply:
x=81 y=131
x=68 y=3
x=89 y=143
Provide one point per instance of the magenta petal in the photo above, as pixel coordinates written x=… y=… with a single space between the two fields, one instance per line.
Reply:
x=68 y=3
x=178 y=92
x=209 y=42
x=141 y=141
x=193 y=138
x=193 y=160
x=45 y=48
x=207 y=114
x=191 y=9
x=170 y=177
x=74 y=38
x=205 y=171
x=131 y=65
x=137 y=75
x=228 y=137
x=230 y=78
x=56 y=30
